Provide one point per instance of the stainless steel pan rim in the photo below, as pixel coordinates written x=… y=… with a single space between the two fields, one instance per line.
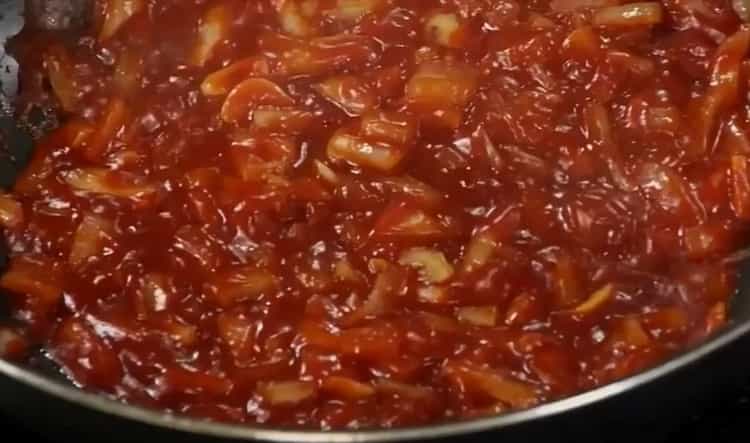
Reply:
x=243 y=432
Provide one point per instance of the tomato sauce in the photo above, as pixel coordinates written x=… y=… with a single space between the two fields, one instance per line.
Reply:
x=377 y=213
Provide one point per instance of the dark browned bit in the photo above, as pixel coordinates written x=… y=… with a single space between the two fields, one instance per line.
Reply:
x=58 y=15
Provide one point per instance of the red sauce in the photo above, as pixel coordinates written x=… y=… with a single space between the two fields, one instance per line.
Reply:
x=377 y=213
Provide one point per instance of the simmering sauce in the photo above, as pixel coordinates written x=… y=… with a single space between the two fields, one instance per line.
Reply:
x=377 y=213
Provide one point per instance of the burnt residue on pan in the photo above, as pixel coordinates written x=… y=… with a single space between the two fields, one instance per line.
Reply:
x=16 y=131
x=19 y=129
x=58 y=15
x=15 y=139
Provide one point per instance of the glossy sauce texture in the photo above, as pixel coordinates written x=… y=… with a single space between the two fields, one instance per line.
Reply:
x=377 y=213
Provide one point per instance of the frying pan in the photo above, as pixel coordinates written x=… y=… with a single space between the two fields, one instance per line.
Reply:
x=38 y=395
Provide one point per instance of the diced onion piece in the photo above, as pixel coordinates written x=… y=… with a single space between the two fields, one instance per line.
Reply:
x=668 y=190
x=665 y=119
x=433 y=294
x=75 y=133
x=287 y=121
x=40 y=167
x=345 y=271
x=598 y=123
x=705 y=239
x=716 y=318
x=584 y=42
x=742 y=9
x=572 y=5
x=640 y=66
x=260 y=194
x=177 y=380
x=178 y=332
x=202 y=178
x=539 y=21
x=114 y=118
x=224 y=80
x=446 y=29
x=388 y=82
x=504 y=388
x=378 y=265
x=528 y=342
x=326 y=173
x=389 y=127
x=485 y=150
x=128 y=72
x=199 y=246
x=116 y=14
x=666 y=321
x=293 y=56
x=61 y=76
x=351 y=94
x=353 y=10
x=237 y=332
x=485 y=242
x=595 y=301
x=599 y=129
x=240 y=284
x=740 y=187
x=11 y=212
x=36 y=279
x=554 y=366
x=734 y=138
x=112 y=183
x=403 y=390
x=248 y=95
x=12 y=345
x=527 y=161
x=480 y=250
x=257 y=158
x=478 y=315
x=310 y=8
x=347 y=388
x=628 y=331
x=314 y=280
x=442 y=84
x=294 y=21
x=213 y=28
x=408 y=222
x=722 y=92
x=432 y=265
x=523 y=309
x=154 y=294
x=375 y=343
x=406 y=186
x=86 y=357
x=390 y=283
x=440 y=323
x=345 y=50
x=344 y=146
x=319 y=55
x=565 y=282
x=90 y=238
x=630 y=14
x=203 y=207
